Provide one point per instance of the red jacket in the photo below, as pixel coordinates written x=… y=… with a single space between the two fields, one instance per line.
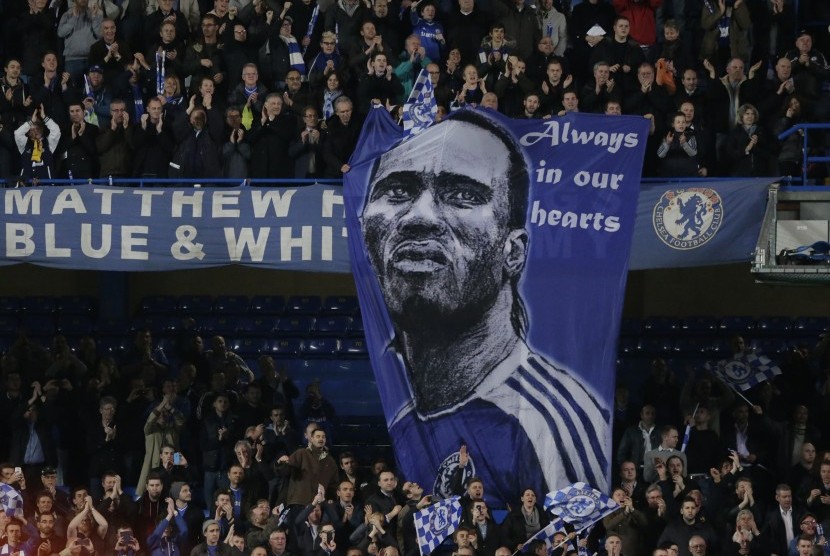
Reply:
x=641 y=15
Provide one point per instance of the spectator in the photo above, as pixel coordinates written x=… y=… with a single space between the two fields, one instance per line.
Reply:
x=37 y=150
x=749 y=151
x=792 y=148
x=342 y=132
x=410 y=63
x=520 y=24
x=269 y=138
x=810 y=71
x=217 y=441
x=307 y=468
x=198 y=140
x=107 y=53
x=344 y=18
x=379 y=86
x=603 y=88
x=466 y=26
x=116 y=142
x=81 y=152
x=641 y=16
x=170 y=534
x=590 y=22
x=427 y=29
x=726 y=28
x=80 y=28
x=203 y=57
x=538 y=62
x=187 y=510
x=154 y=142
x=493 y=53
x=328 y=61
x=305 y=147
x=236 y=152
x=211 y=545
x=678 y=151
x=554 y=26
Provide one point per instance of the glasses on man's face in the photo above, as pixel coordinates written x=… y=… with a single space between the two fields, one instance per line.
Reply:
x=808 y=522
x=697 y=546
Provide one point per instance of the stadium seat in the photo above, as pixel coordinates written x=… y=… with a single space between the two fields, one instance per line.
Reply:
x=34 y=324
x=75 y=325
x=353 y=348
x=158 y=304
x=251 y=325
x=267 y=305
x=231 y=304
x=285 y=348
x=9 y=305
x=631 y=327
x=356 y=328
x=333 y=325
x=303 y=305
x=38 y=305
x=218 y=325
x=340 y=305
x=251 y=347
x=195 y=305
x=76 y=305
x=296 y=325
x=700 y=325
x=661 y=325
x=773 y=326
x=806 y=326
x=737 y=325
x=319 y=347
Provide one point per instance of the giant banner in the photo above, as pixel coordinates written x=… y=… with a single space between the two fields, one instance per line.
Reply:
x=140 y=229
x=490 y=257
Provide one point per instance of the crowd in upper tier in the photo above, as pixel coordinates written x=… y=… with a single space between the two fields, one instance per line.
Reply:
x=240 y=89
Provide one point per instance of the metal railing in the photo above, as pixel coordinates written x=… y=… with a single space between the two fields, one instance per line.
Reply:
x=806 y=159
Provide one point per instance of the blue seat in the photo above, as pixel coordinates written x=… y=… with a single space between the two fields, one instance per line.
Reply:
x=9 y=305
x=231 y=304
x=661 y=325
x=356 y=328
x=631 y=327
x=157 y=324
x=340 y=305
x=158 y=304
x=771 y=346
x=657 y=347
x=251 y=325
x=75 y=325
x=628 y=345
x=112 y=327
x=319 y=347
x=772 y=325
x=38 y=305
x=218 y=325
x=353 y=348
x=267 y=305
x=76 y=305
x=9 y=325
x=296 y=325
x=37 y=325
x=700 y=325
x=285 y=348
x=333 y=325
x=303 y=305
x=251 y=347
x=806 y=326
x=737 y=325
x=195 y=304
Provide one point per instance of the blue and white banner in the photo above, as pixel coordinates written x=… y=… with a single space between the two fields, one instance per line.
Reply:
x=140 y=229
x=579 y=505
x=745 y=371
x=436 y=522
x=420 y=109
x=698 y=224
x=490 y=257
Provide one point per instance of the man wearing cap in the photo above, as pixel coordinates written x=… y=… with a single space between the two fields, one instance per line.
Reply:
x=49 y=480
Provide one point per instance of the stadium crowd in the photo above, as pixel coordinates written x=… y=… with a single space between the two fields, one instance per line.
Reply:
x=228 y=467
x=201 y=89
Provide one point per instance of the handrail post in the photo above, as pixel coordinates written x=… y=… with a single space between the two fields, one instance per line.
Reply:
x=805 y=151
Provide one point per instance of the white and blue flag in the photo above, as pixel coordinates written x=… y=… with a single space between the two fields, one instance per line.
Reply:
x=745 y=371
x=435 y=523
x=579 y=505
x=420 y=109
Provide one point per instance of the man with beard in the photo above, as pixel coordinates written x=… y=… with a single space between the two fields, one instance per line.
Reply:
x=448 y=245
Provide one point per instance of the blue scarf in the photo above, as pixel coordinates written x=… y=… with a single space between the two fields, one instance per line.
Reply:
x=319 y=63
x=328 y=102
x=295 y=57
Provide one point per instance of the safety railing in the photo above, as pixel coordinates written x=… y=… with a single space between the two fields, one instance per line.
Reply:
x=805 y=147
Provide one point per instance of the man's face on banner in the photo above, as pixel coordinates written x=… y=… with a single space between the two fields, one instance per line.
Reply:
x=435 y=223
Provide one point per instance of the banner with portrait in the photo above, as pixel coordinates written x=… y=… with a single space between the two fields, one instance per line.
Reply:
x=490 y=257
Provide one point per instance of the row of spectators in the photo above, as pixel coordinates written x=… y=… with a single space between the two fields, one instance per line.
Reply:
x=224 y=467
x=261 y=89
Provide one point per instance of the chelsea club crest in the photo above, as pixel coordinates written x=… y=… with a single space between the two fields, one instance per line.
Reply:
x=443 y=477
x=688 y=218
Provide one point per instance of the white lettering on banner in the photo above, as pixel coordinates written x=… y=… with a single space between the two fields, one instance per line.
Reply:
x=129 y=243
x=330 y=199
x=327 y=249
x=147 y=200
x=289 y=242
x=19 y=240
x=237 y=245
x=23 y=202
x=86 y=241
x=569 y=219
x=106 y=198
x=598 y=180
x=185 y=249
x=565 y=134
x=182 y=198
x=222 y=198
x=280 y=200
x=51 y=249
x=547 y=175
x=69 y=199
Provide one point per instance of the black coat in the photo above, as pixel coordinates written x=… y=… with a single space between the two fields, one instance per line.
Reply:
x=269 y=147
